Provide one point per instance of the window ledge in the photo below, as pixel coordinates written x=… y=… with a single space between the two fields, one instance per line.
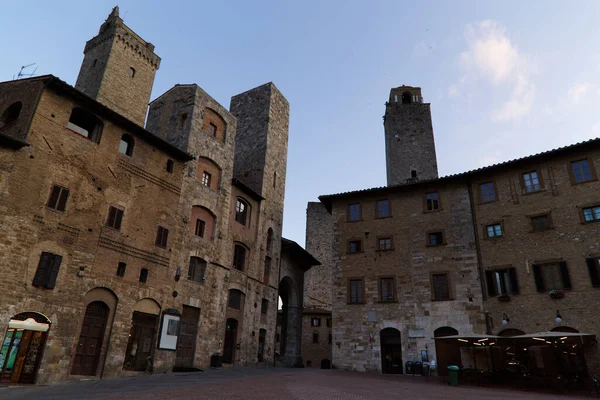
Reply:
x=384 y=250
x=354 y=220
x=436 y=245
x=583 y=182
x=525 y=193
x=387 y=301
x=542 y=230
x=589 y=222
x=449 y=299
x=385 y=217
x=488 y=202
x=355 y=252
x=432 y=211
x=355 y=304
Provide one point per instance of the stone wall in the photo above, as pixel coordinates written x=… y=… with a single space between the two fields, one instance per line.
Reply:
x=319 y=237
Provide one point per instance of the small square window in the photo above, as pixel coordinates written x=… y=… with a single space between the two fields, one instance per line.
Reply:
x=435 y=238
x=384 y=244
x=432 y=201
x=169 y=166
x=200 y=226
x=264 y=307
x=383 y=208
x=316 y=322
x=115 y=217
x=162 y=234
x=58 y=198
x=531 y=182
x=212 y=129
x=206 y=177
x=354 y=246
x=540 y=222
x=494 y=230
x=488 y=194
x=354 y=212
x=581 y=171
x=591 y=214
x=121 y=269
x=143 y=275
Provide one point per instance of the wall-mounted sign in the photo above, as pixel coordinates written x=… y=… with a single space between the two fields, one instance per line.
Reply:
x=169 y=332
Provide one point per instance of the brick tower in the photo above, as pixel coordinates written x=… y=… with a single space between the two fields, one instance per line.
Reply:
x=118 y=69
x=409 y=142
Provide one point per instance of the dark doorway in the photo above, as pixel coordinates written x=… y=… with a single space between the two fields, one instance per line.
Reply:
x=186 y=342
x=22 y=347
x=406 y=98
x=391 y=351
x=447 y=353
x=325 y=364
x=262 y=335
x=89 y=344
x=141 y=341
x=230 y=340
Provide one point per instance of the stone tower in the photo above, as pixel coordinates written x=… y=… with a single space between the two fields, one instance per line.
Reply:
x=409 y=142
x=118 y=69
x=319 y=242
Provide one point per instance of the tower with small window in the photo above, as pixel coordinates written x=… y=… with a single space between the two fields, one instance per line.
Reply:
x=118 y=69
x=409 y=142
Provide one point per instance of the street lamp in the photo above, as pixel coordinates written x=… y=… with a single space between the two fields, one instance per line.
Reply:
x=558 y=317
x=505 y=319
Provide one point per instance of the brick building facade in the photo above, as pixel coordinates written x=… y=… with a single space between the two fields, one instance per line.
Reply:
x=127 y=249
x=511 y=249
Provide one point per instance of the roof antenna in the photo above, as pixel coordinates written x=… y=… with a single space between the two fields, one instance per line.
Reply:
x=22 y=74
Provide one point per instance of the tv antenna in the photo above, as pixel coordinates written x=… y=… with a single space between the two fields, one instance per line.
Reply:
x=22 y=74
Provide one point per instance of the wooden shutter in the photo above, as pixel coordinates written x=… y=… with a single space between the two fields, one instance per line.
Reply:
x=491 y=285
x=118 y=218
x=539 y=280
x=53 y=199
x=110 y=221
x=62 y=200
x=53 y=272
x=564 y=272
x=514 y=283
x=40 y=274
x=592 y=265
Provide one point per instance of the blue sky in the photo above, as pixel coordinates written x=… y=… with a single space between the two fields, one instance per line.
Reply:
x=505 y=78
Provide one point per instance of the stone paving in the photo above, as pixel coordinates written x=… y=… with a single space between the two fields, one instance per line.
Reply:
x=265 y=384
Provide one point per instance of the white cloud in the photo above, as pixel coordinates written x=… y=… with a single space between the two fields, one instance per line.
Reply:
x=492 y=57
x=578 y=91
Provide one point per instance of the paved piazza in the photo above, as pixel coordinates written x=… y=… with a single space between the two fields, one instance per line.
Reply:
x=265 y=384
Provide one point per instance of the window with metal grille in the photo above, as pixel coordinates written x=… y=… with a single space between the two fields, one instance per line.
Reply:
x=581 y=171
x=354 y=212
x=494 y=230
x=354 y=246
x=121 y=269
x=206 y=177
x=591 y=214
x=197 y=269
x=58 y=198
x=531 y=182
x=432 y=201
x=115 y=217
x=47 y=270
x=551 y=276
x=200 y=226
x=386 y=289
x=239 y=257
x=441 y=289
x=540 y=222
x=356 y=291
x=235 y=299
x=502 y=281
x=435 y=238
x=144 y=275
x=162 y=235
x=384 y=244
x=241 y=211
x=487 y=192
x=383 y=208
x=264 y=306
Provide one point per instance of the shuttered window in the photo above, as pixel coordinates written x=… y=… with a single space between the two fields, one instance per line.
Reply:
x=356 y=291
x=47 y=270
x=502 y=282
x=162 y=235
x=593 y=265
x=551 y=276
x=58 y=198
x=115 y=217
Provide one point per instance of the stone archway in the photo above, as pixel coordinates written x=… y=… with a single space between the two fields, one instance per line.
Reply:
x=447 y=353
x=391 y=351
x=291 y=323
x=142 y=335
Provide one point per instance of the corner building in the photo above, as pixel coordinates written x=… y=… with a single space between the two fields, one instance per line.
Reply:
x=485 y=269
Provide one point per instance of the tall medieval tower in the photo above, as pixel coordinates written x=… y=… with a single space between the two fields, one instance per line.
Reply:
x=118 y=69
x=409 y=142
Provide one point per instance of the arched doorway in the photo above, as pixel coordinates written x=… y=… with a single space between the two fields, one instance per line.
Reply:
x=142 y=335
x=22 y=347
x=325 y=364
x=566 y=329
x=291 y=323
x=229 y=346
x=406 y=98
x=391 y=351
x=91 y=337
x=262 y=336
x=447 y=353
x=511 y=332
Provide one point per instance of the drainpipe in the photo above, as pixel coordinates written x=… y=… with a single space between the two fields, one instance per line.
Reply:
x=479 y=258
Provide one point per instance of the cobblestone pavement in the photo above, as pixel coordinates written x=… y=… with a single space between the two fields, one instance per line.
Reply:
x=265 y=384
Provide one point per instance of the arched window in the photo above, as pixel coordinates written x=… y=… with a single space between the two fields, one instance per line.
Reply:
x=126 y=145
x=132 y=72
x=239 y=256
x=445 y=331
x=208 y=173
x=406 y=98
x=11 y=114
x=214 y=125
x=86 y=124
x=567 y=329
x=169 y=166
x=235 y=299
x=241 y=211
x=197 y=270
x=202 y=222
x=270 y=240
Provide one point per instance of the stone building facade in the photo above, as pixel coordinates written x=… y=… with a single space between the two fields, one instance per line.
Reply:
x=128 y=249
x=504 y=250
